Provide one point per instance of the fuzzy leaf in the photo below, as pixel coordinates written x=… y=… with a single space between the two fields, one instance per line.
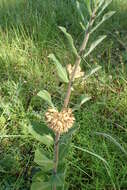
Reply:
x=57 y=180
x=45 y=96
x=40 y=133
x=62 y=73
x=92 y=72
x=95 y=44
x=105 y=17
x=42 y=160
x=70 y=39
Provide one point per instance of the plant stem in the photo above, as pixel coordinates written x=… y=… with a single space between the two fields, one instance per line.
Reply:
x=78 y=59
x=68 y=94
x=56 y=153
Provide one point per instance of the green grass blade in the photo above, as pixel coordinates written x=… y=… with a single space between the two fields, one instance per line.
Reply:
x=109 y=137
x=93 y=154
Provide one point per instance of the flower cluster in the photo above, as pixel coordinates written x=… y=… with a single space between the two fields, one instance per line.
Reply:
x=59 y=122
x=79 y=73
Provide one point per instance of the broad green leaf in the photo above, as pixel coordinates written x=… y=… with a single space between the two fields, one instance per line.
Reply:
x=70 y=39
x=40 y=134
x=58 y=179
x=39 y=176
x=93 y=154
x=42 y=160
x=92 y=72
x=113 y=141
x=41 y=186
x=105 y=17
x=45 y=96
x=62 y=73
x=95 y=44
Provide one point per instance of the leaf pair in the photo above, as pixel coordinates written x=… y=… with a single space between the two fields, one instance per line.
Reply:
x=45 y=165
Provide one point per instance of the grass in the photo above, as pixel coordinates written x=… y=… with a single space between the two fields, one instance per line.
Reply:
x=28 y=33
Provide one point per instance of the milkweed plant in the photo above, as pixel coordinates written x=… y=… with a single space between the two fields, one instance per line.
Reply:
x=52 y=171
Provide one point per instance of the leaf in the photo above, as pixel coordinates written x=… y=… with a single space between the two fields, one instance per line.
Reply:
x=93 y=154
x=42 y=160
x=95 y=44
x=105 y=17
x=113 y=141
x=88 y=4
x=63 y=151
x=41 y=186
x=39 y=133
x=92 y=72
x=45 y=96
x=60 y=70
x=101 y=2
x=106 y=4
x=70 y=39
x=80 y=11
x=83 y=98
x=57 y=180
x=66 y=138
x=38 y=176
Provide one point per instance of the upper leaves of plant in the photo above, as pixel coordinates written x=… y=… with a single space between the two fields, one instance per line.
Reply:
x=88 y=4
x=80 y=11
x=41 y=186
x=70 y=39
x=105 y=17
x=43 y=161
x=45 y=96
x=105 y=5
x=62 y=73
x=41 y=133
x=95 y=44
